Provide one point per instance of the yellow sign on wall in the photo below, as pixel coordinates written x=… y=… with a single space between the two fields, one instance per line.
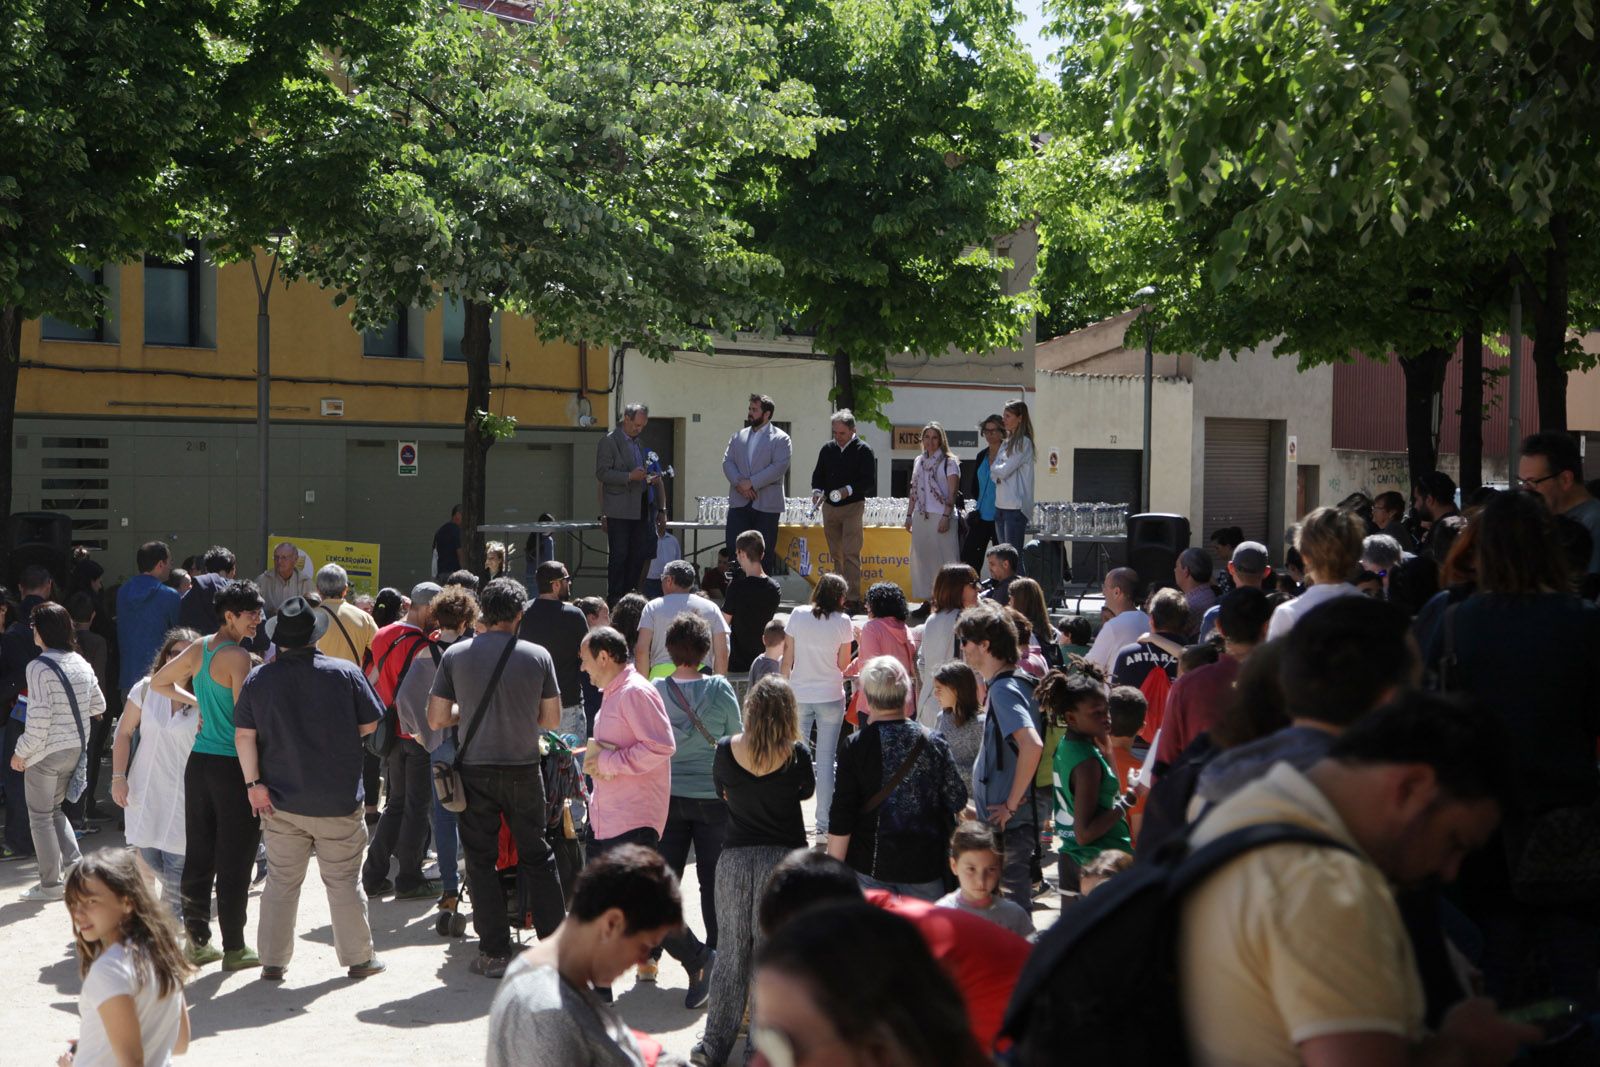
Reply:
x=358 y=558
x=885 y=554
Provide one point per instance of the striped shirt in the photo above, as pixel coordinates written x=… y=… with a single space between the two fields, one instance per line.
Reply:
x=51 y=724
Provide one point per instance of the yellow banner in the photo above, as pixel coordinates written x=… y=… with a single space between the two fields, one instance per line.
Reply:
x=885 y=554
x=359 y=559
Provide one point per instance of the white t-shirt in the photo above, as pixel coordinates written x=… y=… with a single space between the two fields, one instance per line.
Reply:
x=659 y=613
x=1284 y=616
x=154 y=817
x=114 y=975
x=816 y=678
x=1118 y=633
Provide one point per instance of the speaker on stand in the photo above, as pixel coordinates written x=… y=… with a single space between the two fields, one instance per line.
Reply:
x=42 y=538
x=1154 y=543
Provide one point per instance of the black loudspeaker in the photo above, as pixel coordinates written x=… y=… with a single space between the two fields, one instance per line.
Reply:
x=1154 y=542
x=42 y=538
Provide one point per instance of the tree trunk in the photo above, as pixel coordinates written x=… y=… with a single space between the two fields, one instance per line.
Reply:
x=844 y=386
x=1471 y=411
x=475 y=454
x=1550 y=329
x=1424 y=385
x=10 y=368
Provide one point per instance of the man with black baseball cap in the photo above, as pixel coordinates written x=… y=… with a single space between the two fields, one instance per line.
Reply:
x=298 y=723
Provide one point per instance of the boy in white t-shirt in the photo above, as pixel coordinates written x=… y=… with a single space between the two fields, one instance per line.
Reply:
x=668 y=548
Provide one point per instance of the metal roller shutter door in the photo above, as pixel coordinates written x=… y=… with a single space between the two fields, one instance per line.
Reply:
x=1236 y=476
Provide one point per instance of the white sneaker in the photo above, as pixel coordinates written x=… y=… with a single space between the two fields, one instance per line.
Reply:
x=44 y=892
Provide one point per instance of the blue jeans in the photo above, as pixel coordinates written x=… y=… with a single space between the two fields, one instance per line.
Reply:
x=929 y=891
x=169 y=868
x=704 y=824
x=446 y=845
x=1010 y=526
x=828 y=717
x=746 y=517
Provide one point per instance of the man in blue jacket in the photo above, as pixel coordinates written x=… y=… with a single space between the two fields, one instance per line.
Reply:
x=146 y=609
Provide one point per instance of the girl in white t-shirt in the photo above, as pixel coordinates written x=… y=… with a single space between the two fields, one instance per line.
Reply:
x=816 y=650
x=132 y=1008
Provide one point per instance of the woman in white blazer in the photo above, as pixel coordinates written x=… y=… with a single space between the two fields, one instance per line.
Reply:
x=1012 y=471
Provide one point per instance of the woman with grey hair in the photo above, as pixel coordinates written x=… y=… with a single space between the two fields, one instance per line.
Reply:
x=897 y=793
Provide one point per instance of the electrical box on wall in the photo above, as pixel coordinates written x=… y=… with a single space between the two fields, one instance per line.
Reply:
x=333 y=406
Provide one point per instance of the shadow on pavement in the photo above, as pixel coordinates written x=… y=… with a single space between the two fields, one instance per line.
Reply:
x=253 y=1003
x=466 y=997
x=657 y=1009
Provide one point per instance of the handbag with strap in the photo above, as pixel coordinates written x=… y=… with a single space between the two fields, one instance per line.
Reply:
x=683 y=705
x=80 y=773
x=877 y=799
x=447 y=776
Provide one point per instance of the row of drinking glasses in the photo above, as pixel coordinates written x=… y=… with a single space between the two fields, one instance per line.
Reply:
x=1080 y=520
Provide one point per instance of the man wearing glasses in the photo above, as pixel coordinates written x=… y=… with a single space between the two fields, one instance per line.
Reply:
x=1552 y=466
x=558 y=627
x=285 y=579
x=980 y=523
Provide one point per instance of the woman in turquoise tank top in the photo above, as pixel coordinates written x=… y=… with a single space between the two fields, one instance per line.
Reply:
x=220 y=827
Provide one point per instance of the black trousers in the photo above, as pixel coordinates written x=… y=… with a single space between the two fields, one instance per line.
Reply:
x=704 y=824
x=100 y=727
x=979 y=533
x=222 y=833
x=629 y=543
x=371 y=778
x=746 y=517
x=517 y=794
x=402 y=831
x=18 y=837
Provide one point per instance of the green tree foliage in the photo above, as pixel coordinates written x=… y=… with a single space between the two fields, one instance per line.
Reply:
x=577 y=170
x=891 y=234
x=99 y=102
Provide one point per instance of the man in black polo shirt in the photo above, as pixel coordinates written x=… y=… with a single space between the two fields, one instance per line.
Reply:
x=298 y=725
x=558 y=627
x=845 y=476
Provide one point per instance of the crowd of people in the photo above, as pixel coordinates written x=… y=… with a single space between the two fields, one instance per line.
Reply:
x=1381 y=760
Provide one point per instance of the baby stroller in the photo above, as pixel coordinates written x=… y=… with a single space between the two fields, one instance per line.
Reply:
x=566 y=819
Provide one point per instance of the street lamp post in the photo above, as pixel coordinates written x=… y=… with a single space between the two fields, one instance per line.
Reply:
x=1146 y=295
x=264 y=385
x=1514 y=416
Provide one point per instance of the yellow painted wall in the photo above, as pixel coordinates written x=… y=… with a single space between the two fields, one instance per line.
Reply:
x=310 y=339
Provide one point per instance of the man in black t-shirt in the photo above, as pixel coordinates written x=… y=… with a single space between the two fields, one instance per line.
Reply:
x=447 y=545
x=550 y=622
x=750 y=603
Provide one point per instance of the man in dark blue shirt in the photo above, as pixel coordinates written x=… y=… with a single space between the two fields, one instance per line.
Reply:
x=298 y=725
x=447 y=545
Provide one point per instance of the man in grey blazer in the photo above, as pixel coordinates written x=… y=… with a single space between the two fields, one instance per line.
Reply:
x=755 y=463
x=630 y=496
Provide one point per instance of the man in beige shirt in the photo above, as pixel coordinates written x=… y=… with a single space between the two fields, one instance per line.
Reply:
x=285 y=579
x=350 y=630
x=1297 y=953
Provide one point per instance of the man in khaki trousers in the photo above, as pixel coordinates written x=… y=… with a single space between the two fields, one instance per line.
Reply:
x=846 y=474
x=298 y=723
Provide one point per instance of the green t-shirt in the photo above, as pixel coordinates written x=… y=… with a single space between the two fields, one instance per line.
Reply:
x=1071 y=752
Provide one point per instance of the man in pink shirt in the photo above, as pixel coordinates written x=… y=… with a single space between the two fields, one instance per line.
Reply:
x=1197 y=699
x=629 y=754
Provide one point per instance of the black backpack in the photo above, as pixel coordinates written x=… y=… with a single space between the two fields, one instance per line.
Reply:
x=1103 y=982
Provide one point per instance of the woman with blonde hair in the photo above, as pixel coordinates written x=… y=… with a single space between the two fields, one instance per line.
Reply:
x=763 y=773
x=1012 y=471
x=1329 y=542
x=931 y=511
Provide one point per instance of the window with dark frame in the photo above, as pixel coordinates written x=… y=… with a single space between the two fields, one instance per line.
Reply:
x=54 y=329
x=172 y=299
x=392 y=340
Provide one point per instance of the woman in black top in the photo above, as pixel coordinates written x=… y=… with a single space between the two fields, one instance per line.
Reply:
x=763 y=773
x=896 y=795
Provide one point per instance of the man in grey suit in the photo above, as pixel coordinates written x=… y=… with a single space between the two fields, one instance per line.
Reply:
x=630 y=496
x=755 y=463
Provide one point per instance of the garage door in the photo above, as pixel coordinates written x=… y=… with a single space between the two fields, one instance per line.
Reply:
x=1236 y=476
x=401 y=514
x=1103 y=476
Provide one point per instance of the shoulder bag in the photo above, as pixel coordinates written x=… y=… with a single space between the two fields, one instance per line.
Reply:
x=334 y=615
x=80 y=773
x=447 y=776
x=683 y=705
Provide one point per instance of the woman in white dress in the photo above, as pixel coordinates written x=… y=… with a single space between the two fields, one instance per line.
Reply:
x=148 y=784
x=930 y=513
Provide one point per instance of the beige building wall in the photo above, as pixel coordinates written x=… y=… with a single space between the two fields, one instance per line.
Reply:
x=1073 y=411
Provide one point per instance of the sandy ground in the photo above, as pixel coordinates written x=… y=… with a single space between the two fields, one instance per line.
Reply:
x=427 y=1008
